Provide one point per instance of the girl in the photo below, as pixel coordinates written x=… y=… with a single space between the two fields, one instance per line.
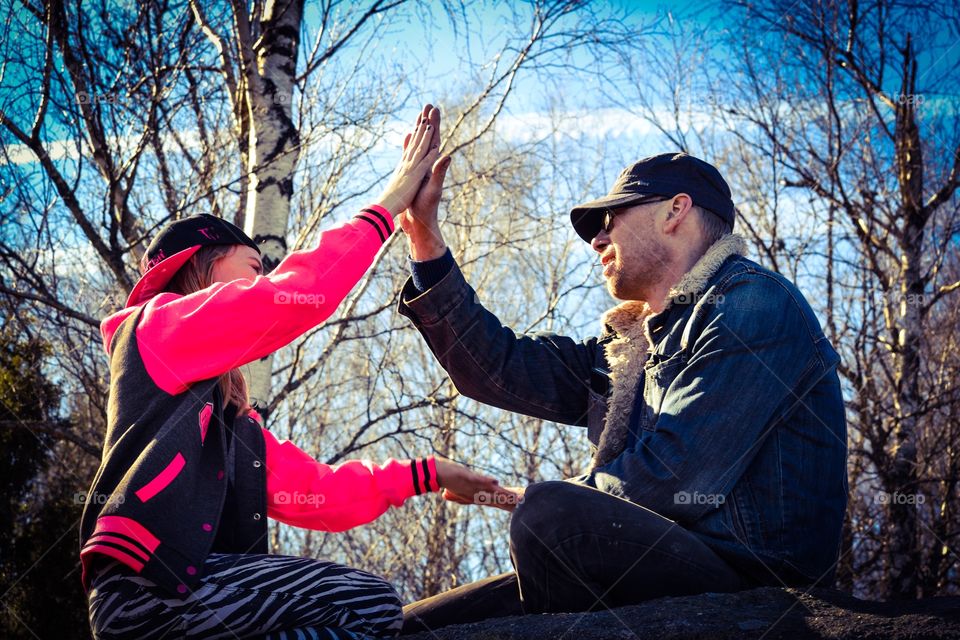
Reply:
x=174 y=531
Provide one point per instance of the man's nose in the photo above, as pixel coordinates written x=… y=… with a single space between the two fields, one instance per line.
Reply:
x=600 y=241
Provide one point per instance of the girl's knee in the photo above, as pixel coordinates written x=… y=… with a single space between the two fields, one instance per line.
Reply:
x=379 y=608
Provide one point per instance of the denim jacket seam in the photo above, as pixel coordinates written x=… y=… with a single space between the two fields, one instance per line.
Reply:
x=438 y=312
x=724 y=282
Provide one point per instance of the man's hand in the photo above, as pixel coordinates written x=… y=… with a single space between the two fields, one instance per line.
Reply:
x=419 y=221
x=506 y=498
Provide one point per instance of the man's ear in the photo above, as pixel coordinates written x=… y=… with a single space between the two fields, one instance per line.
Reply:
x=680 y=208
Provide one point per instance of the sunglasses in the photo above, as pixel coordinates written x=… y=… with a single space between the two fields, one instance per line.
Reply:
x=606 y=223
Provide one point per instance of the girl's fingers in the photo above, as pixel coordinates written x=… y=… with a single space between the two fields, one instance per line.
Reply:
x=434 y=118
x=406 y=140
x=488 y=484
x=453 y=497
x=423 y=148
x=422 y=131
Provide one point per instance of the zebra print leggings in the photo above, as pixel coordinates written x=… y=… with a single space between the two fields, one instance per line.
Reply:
x=247 y=595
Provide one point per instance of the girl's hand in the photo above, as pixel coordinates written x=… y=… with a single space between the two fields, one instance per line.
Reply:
x=420 y=151
x=461 y=481
x=506 y=498
x=477 y=489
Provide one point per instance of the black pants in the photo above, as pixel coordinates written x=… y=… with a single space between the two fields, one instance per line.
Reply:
x=578 y=549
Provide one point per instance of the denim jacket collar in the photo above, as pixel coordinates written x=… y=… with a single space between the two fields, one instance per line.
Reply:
x=695 y=281
x=627 y=352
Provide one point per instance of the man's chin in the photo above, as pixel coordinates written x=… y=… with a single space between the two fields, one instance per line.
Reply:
x=616 y=292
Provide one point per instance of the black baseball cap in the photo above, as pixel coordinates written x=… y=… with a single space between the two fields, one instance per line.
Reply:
x=175 y=244
x=666 y=174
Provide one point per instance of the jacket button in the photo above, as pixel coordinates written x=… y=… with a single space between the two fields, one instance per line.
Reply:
x=191 y=570
x=207 y=526
x=256 y=516
x=182 y=588
x=220 y=475
x=256 y=464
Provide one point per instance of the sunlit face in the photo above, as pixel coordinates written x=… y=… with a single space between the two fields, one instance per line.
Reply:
x=241 y=263
x=632 y=254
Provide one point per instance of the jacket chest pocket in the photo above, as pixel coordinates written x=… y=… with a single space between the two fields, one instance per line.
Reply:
x=597 y=403
x=659 y=373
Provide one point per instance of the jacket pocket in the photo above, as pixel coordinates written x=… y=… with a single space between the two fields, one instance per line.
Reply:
x=596 y=416
x=659 y=373
x=162 y=479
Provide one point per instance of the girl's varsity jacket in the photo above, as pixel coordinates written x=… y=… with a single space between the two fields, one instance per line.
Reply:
x=157 y=502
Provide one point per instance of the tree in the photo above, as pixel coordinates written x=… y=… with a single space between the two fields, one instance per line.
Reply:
x=34 y=555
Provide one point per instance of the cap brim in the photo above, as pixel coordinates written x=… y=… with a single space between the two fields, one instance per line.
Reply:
x=587 y=218
x=153 y=281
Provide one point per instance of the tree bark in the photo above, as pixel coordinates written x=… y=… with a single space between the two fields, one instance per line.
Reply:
x=903 y=511
x=274 y=144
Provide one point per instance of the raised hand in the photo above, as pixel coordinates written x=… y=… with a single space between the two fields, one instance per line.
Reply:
x=420 y=152
x=420 y=221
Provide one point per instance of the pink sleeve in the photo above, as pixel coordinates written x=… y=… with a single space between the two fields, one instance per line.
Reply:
x=306 y=493
x=184 y=339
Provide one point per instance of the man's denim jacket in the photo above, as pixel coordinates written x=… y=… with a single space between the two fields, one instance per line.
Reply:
x=737 y=431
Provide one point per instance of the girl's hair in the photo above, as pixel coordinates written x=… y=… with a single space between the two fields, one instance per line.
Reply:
x=197 y=274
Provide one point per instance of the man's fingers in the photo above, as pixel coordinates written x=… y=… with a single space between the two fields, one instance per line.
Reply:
x=439 y=172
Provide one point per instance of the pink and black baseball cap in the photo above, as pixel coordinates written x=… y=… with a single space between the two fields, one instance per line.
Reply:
x=175 y=244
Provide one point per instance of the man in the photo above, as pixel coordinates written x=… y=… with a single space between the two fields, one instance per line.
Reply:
x=712 y=399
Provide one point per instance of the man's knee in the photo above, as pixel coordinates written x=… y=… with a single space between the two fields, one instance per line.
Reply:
x=543 y=515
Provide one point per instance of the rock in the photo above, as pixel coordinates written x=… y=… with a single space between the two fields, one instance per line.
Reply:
x=767 y=613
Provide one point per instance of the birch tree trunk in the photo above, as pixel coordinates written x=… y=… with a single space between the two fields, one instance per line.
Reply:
x=909 y=330
x=269 y=68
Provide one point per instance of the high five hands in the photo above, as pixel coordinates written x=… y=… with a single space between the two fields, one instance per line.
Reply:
x=417 y=162
x=420 y=221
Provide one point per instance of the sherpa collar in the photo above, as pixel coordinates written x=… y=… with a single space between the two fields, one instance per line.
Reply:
x=628 y=351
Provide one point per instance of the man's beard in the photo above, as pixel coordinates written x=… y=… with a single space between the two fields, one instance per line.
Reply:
x=639 y=272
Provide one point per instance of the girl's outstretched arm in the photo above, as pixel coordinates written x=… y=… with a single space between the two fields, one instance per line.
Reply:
x=184 y=339
x=306 y=493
